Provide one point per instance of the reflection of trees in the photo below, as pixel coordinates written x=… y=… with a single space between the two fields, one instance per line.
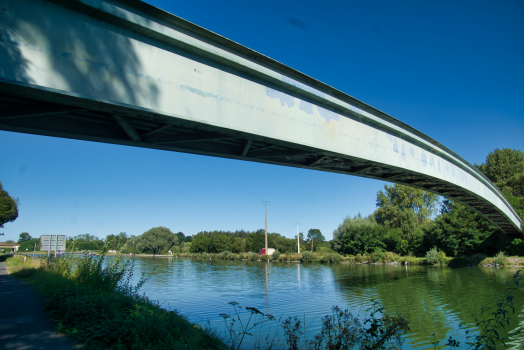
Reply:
x=432 y=299
x=52 y=46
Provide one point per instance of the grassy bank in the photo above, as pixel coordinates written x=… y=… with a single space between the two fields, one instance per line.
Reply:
x=101 y=308
x=433 y=257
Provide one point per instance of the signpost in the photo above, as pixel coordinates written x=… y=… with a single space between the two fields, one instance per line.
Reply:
x=58 y=242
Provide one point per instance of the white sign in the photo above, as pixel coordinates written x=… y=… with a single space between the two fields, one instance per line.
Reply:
x=53 y=242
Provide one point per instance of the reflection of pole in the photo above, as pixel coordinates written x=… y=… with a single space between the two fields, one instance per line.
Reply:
x=298 y=240
x=265 y=268
x=298 y=266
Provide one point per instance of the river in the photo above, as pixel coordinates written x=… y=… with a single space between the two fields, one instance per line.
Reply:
x=433 y=299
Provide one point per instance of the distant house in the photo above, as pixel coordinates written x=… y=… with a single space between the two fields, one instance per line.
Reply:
x=11 y=246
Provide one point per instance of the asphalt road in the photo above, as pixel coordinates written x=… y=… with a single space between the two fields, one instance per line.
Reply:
x=23 y=323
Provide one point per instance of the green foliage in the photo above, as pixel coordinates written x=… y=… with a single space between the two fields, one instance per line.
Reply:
x=254 y=257
x=407 y=209
x=24 y=236
x=276 y=255
x=155 y=240
x=8 y=207
x=458 y=231
x=435 y=257
x=236 y=329
x=315 y=236
x=29 y=245
x=220 y=243
x=199 y=244
x=307 y=256
x=116 y=242
x=505 y=168
x=85 y=242
x=101 y=308
x=516 y=247
x=501 y=259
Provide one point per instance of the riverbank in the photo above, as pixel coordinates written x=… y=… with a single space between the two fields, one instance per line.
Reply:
x=382 y=258
x=100 y=308
x=330 y=257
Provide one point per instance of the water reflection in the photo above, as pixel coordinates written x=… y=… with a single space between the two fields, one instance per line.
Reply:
x=432 y=299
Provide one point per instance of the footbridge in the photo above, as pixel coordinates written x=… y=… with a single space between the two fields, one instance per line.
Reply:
x=127 y=73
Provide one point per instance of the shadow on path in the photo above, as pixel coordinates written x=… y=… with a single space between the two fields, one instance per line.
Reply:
x=23 y=324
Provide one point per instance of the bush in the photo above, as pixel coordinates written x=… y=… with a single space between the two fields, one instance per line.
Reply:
x=276 y=255
x=376 y=256
x=224 y=255
x=307 y=256
x=501 y=259
x=254 y=257
x=434 y=257
x=264 y=257
x=359 y=258
x=389 y=257
x=334 y=258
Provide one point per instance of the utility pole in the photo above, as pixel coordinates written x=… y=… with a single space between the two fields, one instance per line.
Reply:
x=298 y=240
x=265 y=204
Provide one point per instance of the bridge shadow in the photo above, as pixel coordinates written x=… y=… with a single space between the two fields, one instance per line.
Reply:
x=56 y=47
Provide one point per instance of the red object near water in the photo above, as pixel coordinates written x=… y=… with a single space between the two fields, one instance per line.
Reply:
x=262 y=251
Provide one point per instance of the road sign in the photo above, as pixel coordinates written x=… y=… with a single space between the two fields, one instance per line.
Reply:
x=53 y=242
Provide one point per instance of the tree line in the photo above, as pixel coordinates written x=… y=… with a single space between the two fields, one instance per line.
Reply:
x=411 y=221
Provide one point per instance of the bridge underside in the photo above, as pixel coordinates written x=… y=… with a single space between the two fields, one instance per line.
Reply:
x=42 y=112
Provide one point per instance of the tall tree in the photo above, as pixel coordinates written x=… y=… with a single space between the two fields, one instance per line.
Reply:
x=8 y=207
x=315 y=234
x=24 y=236
x=505 y=168
x=156 y=239
x=407 y=209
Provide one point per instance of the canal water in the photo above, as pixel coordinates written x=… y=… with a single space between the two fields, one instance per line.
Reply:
x=433 y=299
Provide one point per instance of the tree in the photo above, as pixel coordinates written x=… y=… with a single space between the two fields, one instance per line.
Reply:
x=220 y=243
x=181 y=237
x=8 y=207
x=314 y=233
x=199 y=244
x=505 y=168
x=156 y=239
x=407 y=209
x=24 y=236
x=459 y=230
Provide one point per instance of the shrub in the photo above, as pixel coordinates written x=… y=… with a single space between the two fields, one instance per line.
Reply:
x=276 y=255
x=264 y=257
x=434 y=257
x=334 y=258
x=307 y=256
x=224 y=254
x=376 y=256
x=359 y=258
x=389 y=257
x=254 y=257
x=501 y=259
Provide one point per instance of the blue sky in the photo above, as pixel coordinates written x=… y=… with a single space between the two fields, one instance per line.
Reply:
x=453 y=70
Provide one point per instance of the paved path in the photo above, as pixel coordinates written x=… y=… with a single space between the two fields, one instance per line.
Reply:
x=23 y=324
